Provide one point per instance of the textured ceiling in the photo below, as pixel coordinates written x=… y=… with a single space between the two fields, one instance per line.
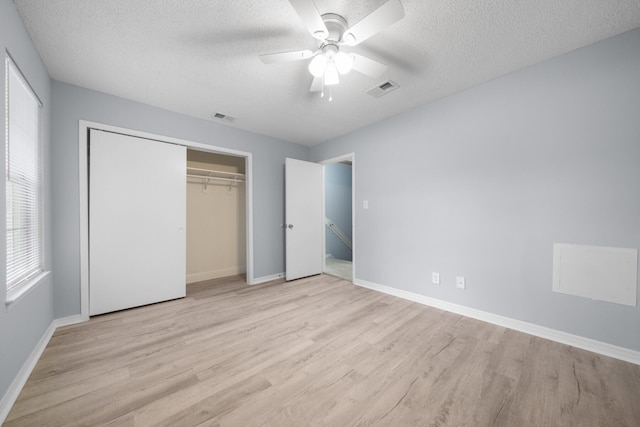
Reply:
x=199 y=57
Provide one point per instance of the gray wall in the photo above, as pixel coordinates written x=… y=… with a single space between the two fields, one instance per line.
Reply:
x=482 y=183
x=72 y=103
x=25 y=321
x=337 y=207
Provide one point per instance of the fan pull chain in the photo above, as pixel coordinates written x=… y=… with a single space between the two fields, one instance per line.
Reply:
x=330 y=95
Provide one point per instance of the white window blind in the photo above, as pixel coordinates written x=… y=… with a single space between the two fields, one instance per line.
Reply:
x=23 y=173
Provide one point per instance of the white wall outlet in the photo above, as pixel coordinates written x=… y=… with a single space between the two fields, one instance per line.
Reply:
x=460 y=282
x=435 y=278
x=365 y=204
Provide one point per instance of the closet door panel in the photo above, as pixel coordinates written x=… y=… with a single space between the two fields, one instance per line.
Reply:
x=137 y=220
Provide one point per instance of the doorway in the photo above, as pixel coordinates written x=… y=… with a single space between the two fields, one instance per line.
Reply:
x=338 y=201
x=216 y=232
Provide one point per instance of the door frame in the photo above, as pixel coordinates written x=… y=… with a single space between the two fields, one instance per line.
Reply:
x=83 y=140
x=351 y=157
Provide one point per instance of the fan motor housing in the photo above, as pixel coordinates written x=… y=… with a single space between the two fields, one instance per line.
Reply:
x=336 y=25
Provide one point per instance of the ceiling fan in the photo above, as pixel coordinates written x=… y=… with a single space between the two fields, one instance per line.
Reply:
x=332 y=33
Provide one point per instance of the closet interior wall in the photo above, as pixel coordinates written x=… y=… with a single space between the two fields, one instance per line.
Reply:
x=215 y=217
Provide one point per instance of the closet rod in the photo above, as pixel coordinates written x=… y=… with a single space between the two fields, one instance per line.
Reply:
x=215 y=177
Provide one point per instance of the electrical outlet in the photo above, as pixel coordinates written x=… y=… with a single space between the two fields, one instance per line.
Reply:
x=460 y=282
x=435 y=278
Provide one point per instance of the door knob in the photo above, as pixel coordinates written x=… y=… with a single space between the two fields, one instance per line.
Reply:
x=290 y=226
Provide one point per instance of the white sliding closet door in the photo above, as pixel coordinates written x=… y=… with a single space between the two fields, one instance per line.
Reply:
x=137 y=220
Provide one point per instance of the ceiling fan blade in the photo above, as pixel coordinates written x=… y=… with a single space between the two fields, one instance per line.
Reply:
x=273 y=58
x=387 y=14
x=367 y=66
x=316 y=85
x=310 y=17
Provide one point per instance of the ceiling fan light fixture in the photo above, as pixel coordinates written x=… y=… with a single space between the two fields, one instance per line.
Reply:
x=331 y=29
x=331 y=74
x=318 y=65
x=344 y=62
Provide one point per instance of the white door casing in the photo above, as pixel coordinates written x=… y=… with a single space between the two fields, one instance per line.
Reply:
x=137 y=220
x=304 y=224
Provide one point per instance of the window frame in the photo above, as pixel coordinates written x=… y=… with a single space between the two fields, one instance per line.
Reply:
x=21 y=287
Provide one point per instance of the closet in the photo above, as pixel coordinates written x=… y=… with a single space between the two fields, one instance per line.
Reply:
x=216 y=212
x=160 y=216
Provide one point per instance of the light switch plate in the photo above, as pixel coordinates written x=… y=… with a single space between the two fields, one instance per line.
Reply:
x=365 y=204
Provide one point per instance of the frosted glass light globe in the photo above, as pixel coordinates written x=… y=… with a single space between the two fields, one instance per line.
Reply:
x=344 y=62
x=317 y=65
x=331 y=74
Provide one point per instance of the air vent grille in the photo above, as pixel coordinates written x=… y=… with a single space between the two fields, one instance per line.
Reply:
x=383 y=88
x=223 y=117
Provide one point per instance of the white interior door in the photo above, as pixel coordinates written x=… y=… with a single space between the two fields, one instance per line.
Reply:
x=304 y=224
x=137 y=220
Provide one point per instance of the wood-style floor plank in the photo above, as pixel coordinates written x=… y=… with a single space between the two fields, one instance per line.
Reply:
x=317 y=351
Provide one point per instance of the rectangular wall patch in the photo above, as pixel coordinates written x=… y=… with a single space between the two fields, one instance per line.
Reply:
x=596 y=272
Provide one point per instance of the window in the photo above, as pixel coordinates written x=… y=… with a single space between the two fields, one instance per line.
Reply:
x=24 y=183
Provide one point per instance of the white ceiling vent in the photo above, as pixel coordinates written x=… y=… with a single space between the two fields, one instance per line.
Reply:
x=383 y=88
x=223 y=117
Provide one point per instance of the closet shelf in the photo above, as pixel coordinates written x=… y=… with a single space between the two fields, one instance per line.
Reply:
x=209 y=174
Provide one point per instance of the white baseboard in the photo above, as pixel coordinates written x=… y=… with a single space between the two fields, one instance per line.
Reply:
x=215 y=274
x=588 y=344
x=66 y=321
x=20 y=380
x=264 y=279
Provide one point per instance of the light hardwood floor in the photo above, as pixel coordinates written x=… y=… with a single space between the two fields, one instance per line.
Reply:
x=317 y=351
x=339 y=268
